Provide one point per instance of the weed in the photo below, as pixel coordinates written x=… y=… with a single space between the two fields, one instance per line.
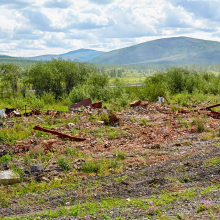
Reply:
x=200 y=125
x=201 y=208
x=144 y=122
x=113 y=134
x=120 y=155
x=6 y=158
x=91 y=166
x=113 y=164
x=4 y=202
x=63 y=163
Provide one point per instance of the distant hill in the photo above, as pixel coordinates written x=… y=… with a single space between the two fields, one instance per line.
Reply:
x=16 y=60
x=177 y=50
x=80 y=55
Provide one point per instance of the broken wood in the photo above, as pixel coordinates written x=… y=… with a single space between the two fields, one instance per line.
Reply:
x=38 y=128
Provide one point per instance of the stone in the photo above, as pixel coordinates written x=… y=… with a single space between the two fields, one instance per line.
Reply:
x=101 y=122
x=70 y=126
x=45 y=179
x=36 y=167
x=8 y=177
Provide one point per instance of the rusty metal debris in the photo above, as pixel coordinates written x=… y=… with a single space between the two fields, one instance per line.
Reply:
x=85 y=103
x=207 y=110
x=96 y=105
x=209 y=107
x=38 y=128
x=135 y=103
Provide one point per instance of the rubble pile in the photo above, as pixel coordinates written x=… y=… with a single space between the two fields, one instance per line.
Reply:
x=145 y=127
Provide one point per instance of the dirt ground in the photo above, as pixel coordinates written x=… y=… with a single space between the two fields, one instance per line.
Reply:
x=163 y=152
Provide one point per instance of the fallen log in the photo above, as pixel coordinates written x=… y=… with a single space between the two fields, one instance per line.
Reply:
x=38 y=128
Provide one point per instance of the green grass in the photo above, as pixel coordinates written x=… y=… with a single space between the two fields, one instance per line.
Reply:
x=212 y=162
x=93 y=208
x=129 y=80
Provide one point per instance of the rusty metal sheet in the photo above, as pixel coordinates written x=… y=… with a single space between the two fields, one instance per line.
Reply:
x=209 y=107
x=38 y=128
x=135 y=103
x=85 y=103
x=97 y=105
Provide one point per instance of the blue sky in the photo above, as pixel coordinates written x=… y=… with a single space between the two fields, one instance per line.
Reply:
x=37 y=27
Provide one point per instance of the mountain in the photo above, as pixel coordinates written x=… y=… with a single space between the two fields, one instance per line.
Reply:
x=177 y=50
x=80 y=55
x=16 y=60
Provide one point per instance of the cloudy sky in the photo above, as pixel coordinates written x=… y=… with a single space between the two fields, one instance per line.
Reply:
x=36 y=27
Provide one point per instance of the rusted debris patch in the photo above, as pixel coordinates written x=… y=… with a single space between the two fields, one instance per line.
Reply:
x=38 y=128
x=84 y=103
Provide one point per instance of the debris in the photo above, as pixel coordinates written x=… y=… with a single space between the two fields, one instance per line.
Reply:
x=70 y=126
x=34 y=111
x=19 y=148
x=85 y=103
x=96 y=105
x=2 y=113
x=101 y=122
x=10 y=124
x=2 y=152
x=38 y=117
x=112 y=118
x=135 y=103
x=48 y=145
x=8 y=111
x=38 y=128
x=209 y=107
x=144 y=104
x=160 y=100
x=155 y=146
x=8 y=177
x=107 y=144
x=36 y=168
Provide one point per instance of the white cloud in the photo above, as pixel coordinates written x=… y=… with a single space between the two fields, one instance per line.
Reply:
x=57 y=26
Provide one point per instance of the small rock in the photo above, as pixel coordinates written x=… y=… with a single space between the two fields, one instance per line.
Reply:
x=101 y=122
x=36 y=167
x=45 y=179
x=70 y=126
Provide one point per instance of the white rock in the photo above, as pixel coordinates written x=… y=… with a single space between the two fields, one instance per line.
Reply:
x=8 y=177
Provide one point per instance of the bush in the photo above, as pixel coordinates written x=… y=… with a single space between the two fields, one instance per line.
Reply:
x=78 y=94
x=91 y=167
x=63 y=163
x=48 y=98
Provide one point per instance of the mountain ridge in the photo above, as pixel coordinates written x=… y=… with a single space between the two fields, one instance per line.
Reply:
x=80 y=55
x=163 y=48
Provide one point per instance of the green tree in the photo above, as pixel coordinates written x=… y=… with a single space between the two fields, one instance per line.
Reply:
x=9 y=74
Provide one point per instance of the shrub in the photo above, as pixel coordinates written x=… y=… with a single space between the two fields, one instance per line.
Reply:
x=121 y=155
x=91 y=166
x=78 y=94
x=200 y=125
x=63 y=163
x=6 y=158
x=48 y=98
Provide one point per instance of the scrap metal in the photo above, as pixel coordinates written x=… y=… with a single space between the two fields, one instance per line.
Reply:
x=85 y=103
x=38 y=128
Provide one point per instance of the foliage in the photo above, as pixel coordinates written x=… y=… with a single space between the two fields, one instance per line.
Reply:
x=9 y=75
x=91 y=167
x=78 y=93
x=63 y=163
x=56 y=76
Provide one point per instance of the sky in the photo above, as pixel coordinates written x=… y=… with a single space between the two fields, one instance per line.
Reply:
x=36 y=27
